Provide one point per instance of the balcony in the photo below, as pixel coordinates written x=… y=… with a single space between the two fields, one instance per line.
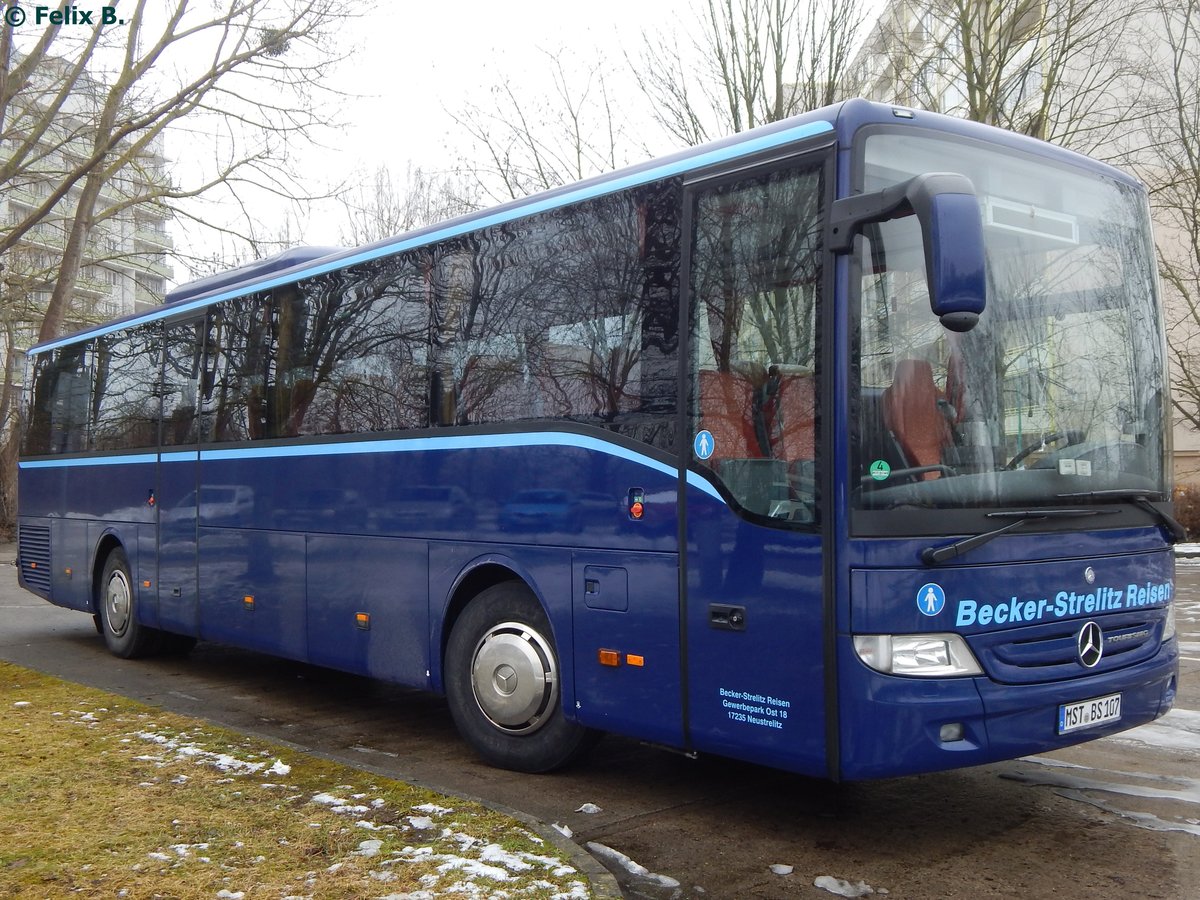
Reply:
x=155 y=237
x=144 y=299
x=152 y=267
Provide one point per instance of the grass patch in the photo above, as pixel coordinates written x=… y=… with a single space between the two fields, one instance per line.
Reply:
x=102 y=796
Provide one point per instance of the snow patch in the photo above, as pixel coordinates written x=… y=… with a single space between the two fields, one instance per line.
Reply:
x=620 y=859
x=1179 y=729
x=431 y=809
x=368 y=848
x=842 y=887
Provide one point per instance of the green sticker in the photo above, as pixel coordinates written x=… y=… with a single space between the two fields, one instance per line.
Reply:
x=880 y=470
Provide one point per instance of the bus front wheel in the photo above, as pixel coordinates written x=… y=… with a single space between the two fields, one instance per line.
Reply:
x=503 y=683
x=116 y=611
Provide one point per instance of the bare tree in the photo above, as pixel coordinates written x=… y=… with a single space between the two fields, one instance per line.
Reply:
x=1172 y=170
x=745 y=63
x=83 y=112
x=1066 y=71
x=92 y=134
x=525 y=144
x=382 y=208
x=748 y=63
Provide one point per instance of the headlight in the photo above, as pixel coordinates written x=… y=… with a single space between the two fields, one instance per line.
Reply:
x=923 y=655
x=1169 y=627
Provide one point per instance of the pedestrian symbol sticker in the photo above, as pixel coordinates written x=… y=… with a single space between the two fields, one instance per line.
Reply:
x=704 y=445
x=880 y=470
x=931 y=599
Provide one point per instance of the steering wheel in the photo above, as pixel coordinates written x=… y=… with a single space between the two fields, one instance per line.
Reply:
x=1074 y=436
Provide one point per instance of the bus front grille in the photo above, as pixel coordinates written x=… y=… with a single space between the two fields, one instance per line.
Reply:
x=33 y=544
x=1050 y=652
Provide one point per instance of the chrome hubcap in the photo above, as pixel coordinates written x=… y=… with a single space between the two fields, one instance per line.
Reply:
x=514 y=678
x=117 y=602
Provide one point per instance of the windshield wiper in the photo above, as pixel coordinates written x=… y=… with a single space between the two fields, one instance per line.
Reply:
x=1140 y=499
x=934 y=555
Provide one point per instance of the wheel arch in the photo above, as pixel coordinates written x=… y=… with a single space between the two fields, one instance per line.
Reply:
x=109 y=541
x=476 y=577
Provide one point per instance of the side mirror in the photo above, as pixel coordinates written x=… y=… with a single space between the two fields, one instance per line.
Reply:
x=952 y=230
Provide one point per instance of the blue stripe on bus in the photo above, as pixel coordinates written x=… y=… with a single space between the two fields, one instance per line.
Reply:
x=535 y=205
x=397 y=445
x=89 y=461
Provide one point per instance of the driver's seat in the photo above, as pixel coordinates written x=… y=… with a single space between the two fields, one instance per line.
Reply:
x=911 y=413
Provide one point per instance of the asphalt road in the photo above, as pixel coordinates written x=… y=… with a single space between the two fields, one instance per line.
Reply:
x=1118 y=817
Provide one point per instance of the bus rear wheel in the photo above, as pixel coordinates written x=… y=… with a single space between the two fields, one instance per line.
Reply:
x=116 y=611
x=503 y=683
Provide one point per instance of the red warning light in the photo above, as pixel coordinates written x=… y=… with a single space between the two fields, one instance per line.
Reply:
x=637 y=503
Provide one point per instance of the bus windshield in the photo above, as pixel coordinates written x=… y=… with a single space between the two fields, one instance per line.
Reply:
x=1057 y=396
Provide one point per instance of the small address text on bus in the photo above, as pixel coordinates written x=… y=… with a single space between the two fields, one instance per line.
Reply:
x=755 y=709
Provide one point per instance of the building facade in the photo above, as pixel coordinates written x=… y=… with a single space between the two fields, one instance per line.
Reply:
x=125 y=266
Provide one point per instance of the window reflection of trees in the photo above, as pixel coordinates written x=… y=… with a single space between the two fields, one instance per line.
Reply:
x=1075 y=359
x=360 y=362
x=568 y=314
x=181 y=382
x=58 y=409
x=756 y=277
x=552 y=316
x=330 y=355
x=757 y=269
x=125 y=405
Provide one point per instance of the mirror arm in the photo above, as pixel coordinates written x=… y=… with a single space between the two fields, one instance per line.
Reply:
x=848 y=215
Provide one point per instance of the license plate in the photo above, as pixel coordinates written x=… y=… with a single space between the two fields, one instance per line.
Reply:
x=1074 y=716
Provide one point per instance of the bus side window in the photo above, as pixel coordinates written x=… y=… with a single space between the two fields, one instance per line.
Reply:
x=59 y=407
x=126 y=402
x=182 y=373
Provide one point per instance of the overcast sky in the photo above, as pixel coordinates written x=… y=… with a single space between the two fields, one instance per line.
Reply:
x=437 y=55
x=412 y=63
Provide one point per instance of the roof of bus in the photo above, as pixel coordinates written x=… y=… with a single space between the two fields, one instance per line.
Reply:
x=299 y=262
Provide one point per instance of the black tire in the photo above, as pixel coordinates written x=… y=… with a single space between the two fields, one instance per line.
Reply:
x=503 y=683
x=116 y=608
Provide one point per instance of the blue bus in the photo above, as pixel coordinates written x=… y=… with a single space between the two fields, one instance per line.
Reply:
x=837 y=446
